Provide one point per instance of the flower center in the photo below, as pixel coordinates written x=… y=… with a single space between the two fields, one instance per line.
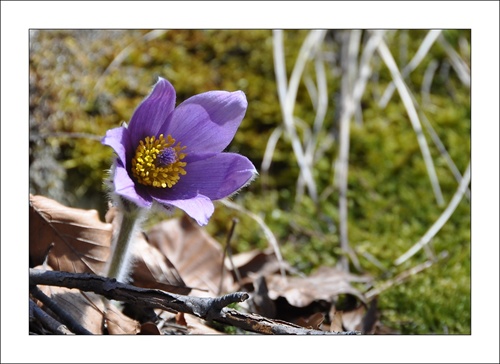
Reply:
x=157 y=162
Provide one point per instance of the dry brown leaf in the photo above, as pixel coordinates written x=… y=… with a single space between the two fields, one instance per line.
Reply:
x=118 y=323
x=336 y=320
x=352 y=320
x=180 y=319
x=262 y=304
x=262 y=263
x=80 y=239
x=361 y=318
x=152 y=269
x=325 y=284
x=311 y=322
x=197 y=326
x=149 y=328
x=195 y=254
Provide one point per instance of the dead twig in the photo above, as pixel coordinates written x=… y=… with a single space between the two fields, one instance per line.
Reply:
x=47 y=321
x=210 y=309
x=70 y=322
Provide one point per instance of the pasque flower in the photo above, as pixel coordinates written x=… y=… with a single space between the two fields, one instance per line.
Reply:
x=172 y=156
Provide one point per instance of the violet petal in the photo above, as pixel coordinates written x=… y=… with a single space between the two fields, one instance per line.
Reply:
x=127 y=188
x=199 y=208
x=216 y=177
x=207 y=122
x=152 y=113
x=118 y=139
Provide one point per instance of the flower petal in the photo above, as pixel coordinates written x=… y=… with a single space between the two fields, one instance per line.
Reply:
x=207 y=122
x=216 y=177
x=152 y=113
x=199 y=208
x=119 y=140
x=127 y=188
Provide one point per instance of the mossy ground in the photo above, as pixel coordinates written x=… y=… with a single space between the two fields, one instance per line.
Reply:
x=85 y=82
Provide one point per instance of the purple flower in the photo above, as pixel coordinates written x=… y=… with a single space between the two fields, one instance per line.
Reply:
x=172 y=156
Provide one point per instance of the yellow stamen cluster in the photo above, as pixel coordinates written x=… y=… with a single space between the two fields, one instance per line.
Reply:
x=146 y=166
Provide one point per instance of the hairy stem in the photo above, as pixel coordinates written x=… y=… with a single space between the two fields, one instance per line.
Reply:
x=121 y=254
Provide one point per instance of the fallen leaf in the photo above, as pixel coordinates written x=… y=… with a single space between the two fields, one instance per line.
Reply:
x=149 y=328
x=254 y=262
x=352 y=320
x=262 y=304
x=335 y=320
x=180 y=319
x=197 y=326
x=76 y=240
x=152 y=269
x=195 y=254
x=312 y=322
x=362 y=319
x=119 y=324
x=325 y=284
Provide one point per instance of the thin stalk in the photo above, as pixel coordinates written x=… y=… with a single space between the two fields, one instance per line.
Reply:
x=386 y=55
x=427 y=82
x=439 y=223
x=364 y=73
x=415 y=61
x=228 y=252
x=271 y=239
x=268 y=154
x=287 y=95
x=442 y=149
x=121 y=253
x=117 y=61
x=349 y=61
x=458 y=64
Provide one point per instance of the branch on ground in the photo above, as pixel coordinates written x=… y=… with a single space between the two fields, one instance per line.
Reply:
x=210 y=309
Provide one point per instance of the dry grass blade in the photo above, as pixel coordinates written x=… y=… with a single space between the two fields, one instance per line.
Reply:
x=433 y=230
x=124 y=54
x=457 y=63
x=364 y=66
x=271 y=239
x=444 y=153
x=402 y=277
x=415 y=121
x=268 y=154
x=349 y=66
x=320 y=102
x=422 y=51
x=425 y=90
x=287 y=95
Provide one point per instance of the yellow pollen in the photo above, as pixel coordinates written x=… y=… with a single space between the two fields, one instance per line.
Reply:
x=147 y=167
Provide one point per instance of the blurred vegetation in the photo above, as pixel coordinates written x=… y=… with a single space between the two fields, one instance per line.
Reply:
x=83 y=82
